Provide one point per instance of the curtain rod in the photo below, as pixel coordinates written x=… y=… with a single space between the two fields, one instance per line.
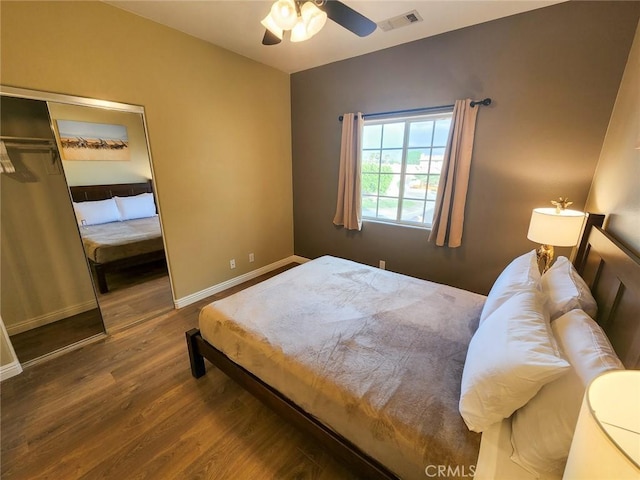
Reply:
x=486 y=101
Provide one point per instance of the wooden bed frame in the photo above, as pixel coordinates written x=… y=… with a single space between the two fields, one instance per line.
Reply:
x=87 y=193
x=611 y=271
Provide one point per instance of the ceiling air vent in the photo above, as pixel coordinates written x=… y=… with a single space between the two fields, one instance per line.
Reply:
x=400 y=21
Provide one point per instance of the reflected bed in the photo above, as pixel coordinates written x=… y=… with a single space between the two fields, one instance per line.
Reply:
x=121 y=244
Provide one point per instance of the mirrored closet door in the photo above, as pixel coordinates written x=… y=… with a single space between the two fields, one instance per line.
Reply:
x=110 y=256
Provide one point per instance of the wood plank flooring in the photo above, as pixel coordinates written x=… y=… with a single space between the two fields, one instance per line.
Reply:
x=45 y=339
x=127 y=407
x=135 y=294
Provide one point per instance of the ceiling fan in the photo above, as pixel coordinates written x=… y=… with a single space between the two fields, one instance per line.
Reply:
x=305 y=18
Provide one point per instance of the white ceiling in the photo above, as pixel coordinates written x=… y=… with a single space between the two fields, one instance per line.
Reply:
x=235 y=25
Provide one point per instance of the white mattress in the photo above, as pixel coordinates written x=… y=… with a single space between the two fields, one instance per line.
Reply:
x=375 y=355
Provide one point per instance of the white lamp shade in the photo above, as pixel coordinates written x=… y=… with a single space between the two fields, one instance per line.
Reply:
x=269 y=23
x=313 y=17
x=557 y=229
x=299 y=32
x=284 y=14
x=606 y=442
x=310 y=22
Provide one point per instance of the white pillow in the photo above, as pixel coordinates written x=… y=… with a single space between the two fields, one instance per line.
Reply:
x=510 y=357
x=137 y=206
x=520 y=274
x=542 y=430
x=585 y=344
x=94 y=213
x=567 y=290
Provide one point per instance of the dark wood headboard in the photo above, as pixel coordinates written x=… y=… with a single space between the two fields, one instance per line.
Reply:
x=86 y=193
x=612 y=272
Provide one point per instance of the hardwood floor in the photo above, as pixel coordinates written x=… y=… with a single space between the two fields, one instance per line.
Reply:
x=127 y=407
x=39 y=341
x=135 y=294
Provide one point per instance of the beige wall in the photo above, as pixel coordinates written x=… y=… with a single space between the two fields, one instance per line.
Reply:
x=553 y=74
x=219 y=126
x=137 y=169
x=616 y=185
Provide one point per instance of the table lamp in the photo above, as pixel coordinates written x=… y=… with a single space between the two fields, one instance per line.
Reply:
x=551 y=227
x=606 y=442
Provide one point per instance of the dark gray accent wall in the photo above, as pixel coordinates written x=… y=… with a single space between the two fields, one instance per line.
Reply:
x=553 y=75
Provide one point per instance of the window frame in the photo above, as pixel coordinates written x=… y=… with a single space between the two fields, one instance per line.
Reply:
x=446 y=113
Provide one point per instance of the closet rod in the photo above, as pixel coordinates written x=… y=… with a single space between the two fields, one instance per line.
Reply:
x=486 y=101
x=8 y=139
x=29 y=143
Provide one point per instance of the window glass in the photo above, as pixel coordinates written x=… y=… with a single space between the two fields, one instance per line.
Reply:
x=401 y=166
x=387 y=208
x=420 y=134
x=418 y=160
x=372 y=136
x=393 y=135
x=441 y=133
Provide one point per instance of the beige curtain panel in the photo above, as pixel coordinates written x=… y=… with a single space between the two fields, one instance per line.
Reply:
x=448 y=218
x=349 y=204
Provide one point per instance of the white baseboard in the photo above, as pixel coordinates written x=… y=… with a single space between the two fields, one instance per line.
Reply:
x=50 y=317
x=10 y=370
x=207 y=292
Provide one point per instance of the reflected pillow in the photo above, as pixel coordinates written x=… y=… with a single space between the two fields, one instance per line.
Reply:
x=95 y=213
x=567 y=290
x=137 y=206
x=521 y=274
x=510 y=357
x=542 y=430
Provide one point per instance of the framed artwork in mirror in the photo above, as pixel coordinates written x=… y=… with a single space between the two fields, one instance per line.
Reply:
x=93 y=141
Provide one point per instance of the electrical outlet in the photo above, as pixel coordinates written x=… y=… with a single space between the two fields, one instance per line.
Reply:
x=251 y=258
x=383 y=265
x=232 y=263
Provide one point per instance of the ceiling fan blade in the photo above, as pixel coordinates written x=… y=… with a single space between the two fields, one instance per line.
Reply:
x=349 y=18
x=269 y=38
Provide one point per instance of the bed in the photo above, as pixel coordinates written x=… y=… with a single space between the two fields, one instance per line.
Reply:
x=112 y=243
x=323 y=379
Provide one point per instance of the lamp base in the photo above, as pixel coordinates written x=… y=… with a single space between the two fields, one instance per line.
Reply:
x=545 y=257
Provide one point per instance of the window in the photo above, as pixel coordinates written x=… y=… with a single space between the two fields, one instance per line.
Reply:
x=401 y=165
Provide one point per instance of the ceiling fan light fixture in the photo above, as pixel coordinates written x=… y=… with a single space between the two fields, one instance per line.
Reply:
x=313 y=17
x=269 y=23
x=310 y=22
x=299 y=32
x=284 y=14
x=305 y=18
